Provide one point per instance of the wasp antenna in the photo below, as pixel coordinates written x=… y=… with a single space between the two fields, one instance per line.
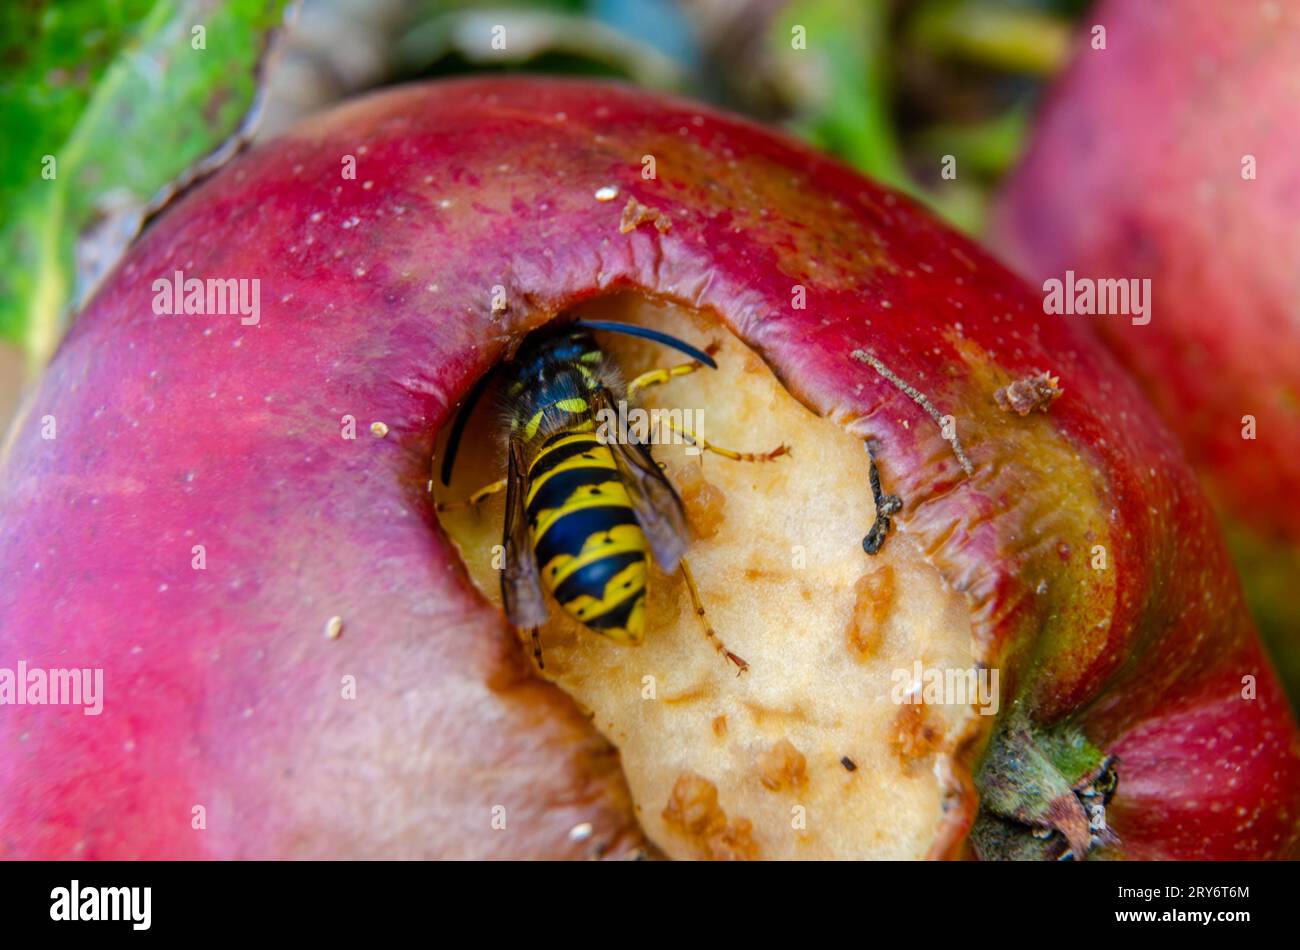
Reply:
x=632 y=329
x=458 y=427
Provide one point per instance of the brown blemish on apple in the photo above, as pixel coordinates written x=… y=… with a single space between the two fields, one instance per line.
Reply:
x=915 y=734
x=636 y=214
x=764 y=715
x=782 y=767
x=693 y=812
x=704 y=501
x=1023 y=396
x=694 y=694
x=874 y=601
x=720 y=726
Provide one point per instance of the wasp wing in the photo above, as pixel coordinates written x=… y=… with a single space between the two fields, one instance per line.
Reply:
x=656 y=503
x=521 y=588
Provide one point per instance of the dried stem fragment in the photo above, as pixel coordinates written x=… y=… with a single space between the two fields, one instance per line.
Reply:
x=636 y=214
x=886 y=507
x=918 y=397
x=1023 y=396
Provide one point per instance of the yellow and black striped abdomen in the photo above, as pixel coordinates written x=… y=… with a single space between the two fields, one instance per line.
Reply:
x=590 y=550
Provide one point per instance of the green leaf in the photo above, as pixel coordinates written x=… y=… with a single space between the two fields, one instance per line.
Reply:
x=996 y=34
x=104 y=104
x=833 y=54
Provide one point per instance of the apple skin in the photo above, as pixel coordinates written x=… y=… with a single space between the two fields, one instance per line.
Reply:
x=376 y=301
x=1136 y=170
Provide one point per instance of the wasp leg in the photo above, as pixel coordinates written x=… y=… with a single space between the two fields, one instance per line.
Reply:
x=485 y=492
x=657 y=377
x=708 y=629
x=707 y=446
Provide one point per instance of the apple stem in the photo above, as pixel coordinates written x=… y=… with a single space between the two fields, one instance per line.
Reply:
x=1043 y=795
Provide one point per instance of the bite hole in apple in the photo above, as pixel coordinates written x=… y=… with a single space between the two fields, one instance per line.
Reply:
x=728 y=766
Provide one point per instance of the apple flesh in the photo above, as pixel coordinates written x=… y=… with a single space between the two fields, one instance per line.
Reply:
x=302 y=659
x=1170 y=155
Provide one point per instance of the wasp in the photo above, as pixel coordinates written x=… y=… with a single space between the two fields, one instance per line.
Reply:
x=584 y=512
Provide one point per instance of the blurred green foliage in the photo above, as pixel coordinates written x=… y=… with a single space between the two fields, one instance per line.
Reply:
x=847 y=111
x=103 y=103
x=116 y=92
x=890 y=86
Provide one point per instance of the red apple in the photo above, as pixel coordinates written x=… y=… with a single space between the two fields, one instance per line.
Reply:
x=297 y=656
x=1171 y=155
